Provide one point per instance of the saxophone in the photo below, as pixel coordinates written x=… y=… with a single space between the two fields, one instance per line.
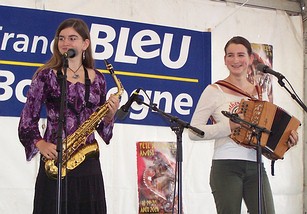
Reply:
x=76 y=151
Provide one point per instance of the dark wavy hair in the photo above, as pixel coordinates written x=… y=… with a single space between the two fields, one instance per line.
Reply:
x=239 y=40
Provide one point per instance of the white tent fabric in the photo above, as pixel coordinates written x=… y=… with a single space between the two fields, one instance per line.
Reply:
x=283 y=32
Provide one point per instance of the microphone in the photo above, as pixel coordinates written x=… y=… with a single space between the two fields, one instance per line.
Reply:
x=69 y=54
x=268 y=70
x=124 y=110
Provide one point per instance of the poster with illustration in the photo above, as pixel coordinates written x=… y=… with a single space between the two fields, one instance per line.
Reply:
x=156 y=164
x=263 y=53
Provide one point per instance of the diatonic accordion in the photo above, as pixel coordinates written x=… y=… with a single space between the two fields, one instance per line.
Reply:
x=271 y=117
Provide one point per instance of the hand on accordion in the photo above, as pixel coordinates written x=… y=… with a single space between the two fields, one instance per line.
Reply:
x=293 y=139
x=235 y=124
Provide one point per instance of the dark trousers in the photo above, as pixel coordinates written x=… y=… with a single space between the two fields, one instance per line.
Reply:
x=234 y=180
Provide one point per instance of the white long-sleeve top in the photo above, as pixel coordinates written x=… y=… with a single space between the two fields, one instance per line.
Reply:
x=210 y=104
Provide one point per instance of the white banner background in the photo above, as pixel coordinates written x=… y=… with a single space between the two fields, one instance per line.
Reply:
x=118 y=160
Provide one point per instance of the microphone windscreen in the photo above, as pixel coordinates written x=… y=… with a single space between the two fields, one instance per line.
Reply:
x=261 y=67
x=70 y=53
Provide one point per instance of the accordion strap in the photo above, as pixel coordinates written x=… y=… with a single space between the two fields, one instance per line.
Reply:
x=239 y=90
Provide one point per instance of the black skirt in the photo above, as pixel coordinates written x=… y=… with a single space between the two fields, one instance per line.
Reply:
x=82 y=190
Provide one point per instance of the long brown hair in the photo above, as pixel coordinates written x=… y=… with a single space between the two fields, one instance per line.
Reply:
x=56 y=62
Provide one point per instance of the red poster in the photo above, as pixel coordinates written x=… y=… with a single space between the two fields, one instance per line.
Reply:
x=156 y=164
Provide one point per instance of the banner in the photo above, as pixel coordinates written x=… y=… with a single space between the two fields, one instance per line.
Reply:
x=156 y=167
x=171 y=65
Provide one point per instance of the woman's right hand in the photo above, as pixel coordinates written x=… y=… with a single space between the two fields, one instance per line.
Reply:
x=234 y=125
x=48 y=150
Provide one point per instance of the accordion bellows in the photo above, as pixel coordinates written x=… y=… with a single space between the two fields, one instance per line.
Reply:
x=271 y=117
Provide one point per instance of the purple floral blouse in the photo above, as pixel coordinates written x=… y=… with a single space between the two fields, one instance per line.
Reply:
x=45 y=90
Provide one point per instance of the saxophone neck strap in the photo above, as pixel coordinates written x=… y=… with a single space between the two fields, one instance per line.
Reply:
x=240 y=91
x=87 y=88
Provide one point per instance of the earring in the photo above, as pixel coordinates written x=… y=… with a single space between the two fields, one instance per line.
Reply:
x=83 y=55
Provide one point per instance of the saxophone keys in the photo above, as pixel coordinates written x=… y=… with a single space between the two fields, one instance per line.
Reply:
x=75 y=161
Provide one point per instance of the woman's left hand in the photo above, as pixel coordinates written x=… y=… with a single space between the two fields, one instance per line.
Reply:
x=113 y=104
x=293 y=138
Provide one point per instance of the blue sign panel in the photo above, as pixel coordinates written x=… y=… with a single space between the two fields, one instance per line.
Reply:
x=172 y=66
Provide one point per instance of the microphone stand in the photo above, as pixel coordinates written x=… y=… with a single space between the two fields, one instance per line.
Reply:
x=293 y=95
x=61 y=122
x=256 y=131
x=177 y=126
